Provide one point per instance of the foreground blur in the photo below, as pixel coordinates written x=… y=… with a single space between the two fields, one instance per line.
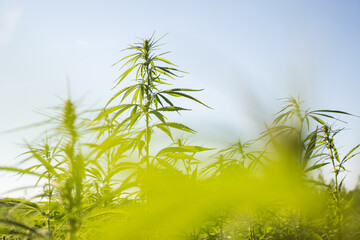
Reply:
x=105 y=177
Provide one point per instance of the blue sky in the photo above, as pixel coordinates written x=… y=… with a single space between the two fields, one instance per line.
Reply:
x=245 y=54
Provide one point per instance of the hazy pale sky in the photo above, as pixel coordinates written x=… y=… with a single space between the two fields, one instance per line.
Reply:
x=245 y=54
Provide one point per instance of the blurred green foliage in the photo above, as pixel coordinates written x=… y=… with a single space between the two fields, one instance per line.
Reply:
x=104 y=177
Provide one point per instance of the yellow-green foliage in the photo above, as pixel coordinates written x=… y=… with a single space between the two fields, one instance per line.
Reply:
x=104 y=177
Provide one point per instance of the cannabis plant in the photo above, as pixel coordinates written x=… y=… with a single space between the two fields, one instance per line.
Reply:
x=148 y=103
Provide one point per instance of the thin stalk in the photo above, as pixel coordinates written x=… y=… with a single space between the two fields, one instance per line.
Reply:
x=148 y=79
x=147 y=175
x=49 y=209
x=336 y=191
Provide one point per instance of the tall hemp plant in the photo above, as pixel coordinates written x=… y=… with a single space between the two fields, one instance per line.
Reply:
x=327 y=138
x=147 y=102
x=290 y=134
x=60 y=168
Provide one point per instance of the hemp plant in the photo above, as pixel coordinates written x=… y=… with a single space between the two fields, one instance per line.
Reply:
x=338 y=166
x=60 y=168
x=305 y=148
x=291 y=134
x=148 y=101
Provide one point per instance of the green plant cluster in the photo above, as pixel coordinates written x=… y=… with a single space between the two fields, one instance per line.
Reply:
x=105 y=176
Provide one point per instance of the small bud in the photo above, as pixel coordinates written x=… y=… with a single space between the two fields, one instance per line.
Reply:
x=326 y=129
